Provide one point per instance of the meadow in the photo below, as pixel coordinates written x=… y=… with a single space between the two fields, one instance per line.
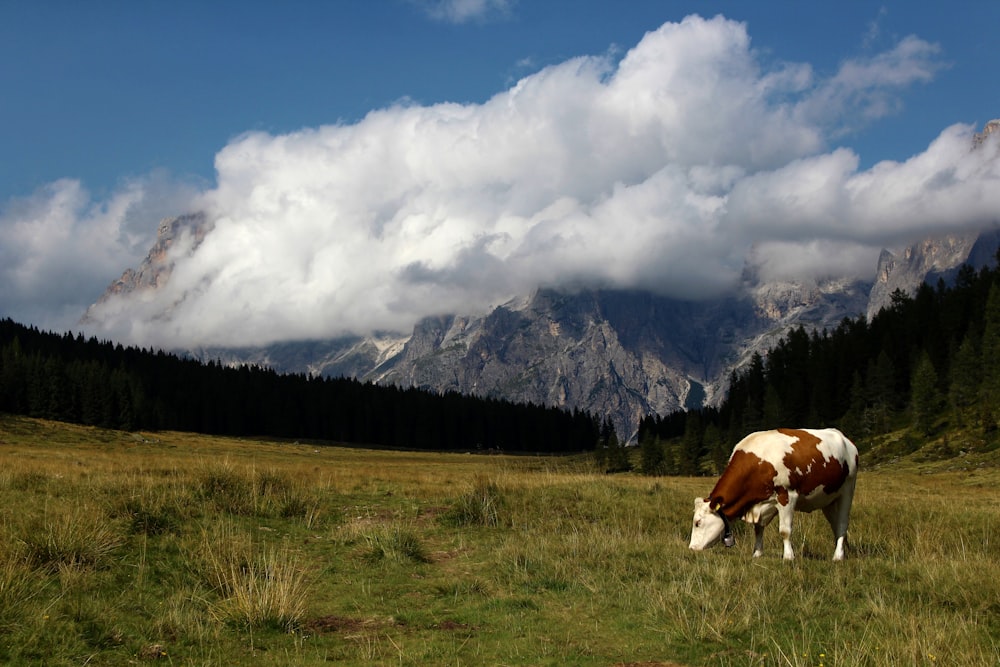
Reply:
x=124 y=548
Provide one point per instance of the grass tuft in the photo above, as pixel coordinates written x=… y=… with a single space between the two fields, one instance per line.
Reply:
x=257 y=586
x=483 y=505
x=394 y=544
x=74 y=537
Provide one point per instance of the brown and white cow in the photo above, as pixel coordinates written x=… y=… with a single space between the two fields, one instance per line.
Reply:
x=778 y=473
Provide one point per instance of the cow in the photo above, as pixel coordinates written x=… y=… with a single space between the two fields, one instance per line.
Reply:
x=778 y=473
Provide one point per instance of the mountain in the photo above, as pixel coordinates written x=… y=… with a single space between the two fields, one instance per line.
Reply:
x=934 y=258
x=621 y=353
x=930 y=260
x=624 y=354
x=155 y=269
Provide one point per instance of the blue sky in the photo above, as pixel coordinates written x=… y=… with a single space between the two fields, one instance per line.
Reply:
x=114 y=114
x=106 y=90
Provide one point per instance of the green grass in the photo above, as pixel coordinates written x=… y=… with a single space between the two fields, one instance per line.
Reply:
x=119 y=548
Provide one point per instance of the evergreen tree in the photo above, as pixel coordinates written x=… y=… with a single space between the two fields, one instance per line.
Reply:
x=882 y=391
x=774 y=413
x=617 y=459
x=989 y=390
x=966 y=375
x=716 y=451
x=755 y=386
x=652 y=457
x=853 y=420
x=925 y=398
x=689 y=452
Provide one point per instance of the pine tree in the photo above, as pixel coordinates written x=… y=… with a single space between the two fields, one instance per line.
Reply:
x=717 y=451
x=652 y=457
x=882 y=391
x=774 y=413
x=617 y=454
x=966 y=375
x=754 y=383
x=989 y=390
x=689 y=452
x=853 y=420
x=925 y=398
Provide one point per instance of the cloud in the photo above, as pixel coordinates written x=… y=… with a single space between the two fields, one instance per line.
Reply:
x=874 y=28
x=464 y=11
x=667 y=169
x=59 y=248
x=866 y=89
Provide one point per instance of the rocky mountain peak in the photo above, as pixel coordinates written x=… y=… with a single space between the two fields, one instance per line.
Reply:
x=907 y=269
x=988 y=129
x=155 y=269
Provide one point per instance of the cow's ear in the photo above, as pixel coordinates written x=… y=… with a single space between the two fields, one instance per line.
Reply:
x=716 y=503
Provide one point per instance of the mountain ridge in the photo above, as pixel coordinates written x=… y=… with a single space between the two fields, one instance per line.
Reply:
x=623 y=354
x=620 y=353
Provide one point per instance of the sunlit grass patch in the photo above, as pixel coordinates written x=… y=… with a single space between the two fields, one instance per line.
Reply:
x=243 y=490
x=393 y=543
x=150 y=506
x=257 y=585
x=76 y=536
x=482 y=505
x=18 y=584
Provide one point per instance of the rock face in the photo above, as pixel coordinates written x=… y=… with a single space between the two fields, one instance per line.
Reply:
x=928 y=261
x=351 y=356
x=624 y=354
x=988 y=129
x=909 y=268
x=617 y=353
x=156 y=268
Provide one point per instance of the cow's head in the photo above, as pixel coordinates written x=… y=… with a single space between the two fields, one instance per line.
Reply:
x=709 y=526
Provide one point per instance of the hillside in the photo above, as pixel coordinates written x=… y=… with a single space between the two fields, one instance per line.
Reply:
x=86 y=381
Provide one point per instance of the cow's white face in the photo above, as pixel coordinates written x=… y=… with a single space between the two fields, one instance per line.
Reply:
x=707 y=527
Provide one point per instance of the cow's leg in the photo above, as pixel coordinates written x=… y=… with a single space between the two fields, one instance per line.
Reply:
x=758 y=536
x=838 y=513
x=785 y=513
x=765 y=515
x=832 y=514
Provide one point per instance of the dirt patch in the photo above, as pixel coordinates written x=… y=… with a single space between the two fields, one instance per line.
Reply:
x=432 y=512
x=152 y=652
x=337 y=624
x=347 y=625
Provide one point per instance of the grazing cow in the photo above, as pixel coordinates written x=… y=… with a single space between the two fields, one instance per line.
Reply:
x=779 y=473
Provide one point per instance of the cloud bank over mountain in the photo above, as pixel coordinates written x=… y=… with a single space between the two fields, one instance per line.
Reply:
x=664 y=170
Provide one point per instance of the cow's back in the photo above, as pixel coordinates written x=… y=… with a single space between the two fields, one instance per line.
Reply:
x=814 y=463
x=800 y=447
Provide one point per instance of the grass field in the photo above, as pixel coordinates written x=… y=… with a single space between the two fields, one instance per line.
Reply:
x=132 y=548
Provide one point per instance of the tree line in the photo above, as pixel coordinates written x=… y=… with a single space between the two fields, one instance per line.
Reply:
x=926 y=364
x=74 y=379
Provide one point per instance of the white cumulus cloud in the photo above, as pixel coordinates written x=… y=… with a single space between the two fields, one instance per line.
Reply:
x=662 y=170
x=59 y=247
